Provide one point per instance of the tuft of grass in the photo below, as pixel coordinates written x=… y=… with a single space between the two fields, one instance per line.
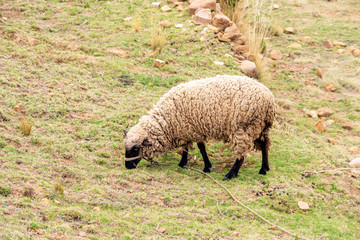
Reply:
x=276 y=30
x=26 y=126
x=157 y=41
x=5 y=191
x=137 y=24
x=59 y=187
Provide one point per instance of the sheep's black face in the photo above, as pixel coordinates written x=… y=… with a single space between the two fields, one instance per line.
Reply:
x=132 y=153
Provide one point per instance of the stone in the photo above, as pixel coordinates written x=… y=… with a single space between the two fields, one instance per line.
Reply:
x=311 y=83
x=202 y=16
x=128 y=19
x=340 y=51
x=305 y=39
x=332 y=141
x=232 y=32
x=354 y=150
x=213 y=28
x=159 y=63
x=295 y=45
x=356 y=52
x=165 y=23
x=329 y=87
x=328 y=44
x=349 y=49
x=329 y=122
x=341 y=44
x=240 y=41
x=219 y=63
x=275 y=6
x=320 y=73
x=324 y=112
x=291 y=56
x=235 y=234
x=316 y=14
x=275 y=54
x=155 y=4
x=115 y=51
x=221 y=21
x=45 y=201
x=222 y=39
x=248 y=68
x=166 y=8
x=312 y=114
x=195 y=5
x=96 y=209
x=348 y=126
x=241 y=49
x=303 y=205
x=290 y=30
x=355 y=163
x=179 y=25
x=18 y=108
x=320 y=126
x=161 y=230
x=343 y=120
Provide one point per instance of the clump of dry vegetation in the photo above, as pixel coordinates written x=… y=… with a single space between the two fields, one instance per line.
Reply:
x=157 y=41
x=137 y=23
x=26 y=126
x=59 y=187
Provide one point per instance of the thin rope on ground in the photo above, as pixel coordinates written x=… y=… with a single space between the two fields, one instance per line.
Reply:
x=247 y=208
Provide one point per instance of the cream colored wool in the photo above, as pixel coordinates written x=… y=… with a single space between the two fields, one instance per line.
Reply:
x=235 y=109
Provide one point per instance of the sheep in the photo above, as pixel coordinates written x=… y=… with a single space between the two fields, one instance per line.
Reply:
x=234 y=109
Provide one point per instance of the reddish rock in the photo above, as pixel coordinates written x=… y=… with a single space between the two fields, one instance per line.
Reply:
x=248 y=68
x=165 y=23
x=159 y=63
x=320 y=73
x=320 y=126
x=324 y=112
x=329 y=87
x=242 y=48
x=232 y=32
x=221 y=21
x=275 y=54
x=195 y=5
x=332 y=141
x=328 y=44
x=290 y=30
x=202 y=16
x=356 y=52
x=305 y=39
x=348 y=126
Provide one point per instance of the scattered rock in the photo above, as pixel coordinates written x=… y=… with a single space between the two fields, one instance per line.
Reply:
x=340 y=51
x=348 y=126
x=165 y=23
x=354 y=150
x=219 y=63
x=312 y=114
x=290 y=30
x=295 y=45
x=235 y=234
x=45 y=201
x=155 y=4
x=248 y=68
x=305 y=39
x=222 y=39
x=213 y=28
x=275 y=6
x=349 y=49
x=161 y=230
x=166 y=8
x=332 y=141
x=159 y=63
x=355 y=163
x=328 y=44
x=320 y=73
x=241 y=49
x=329 y=87
x=56 y=201
x=128 y=19
x=356 y=52
x=311 y=83
x=241 y=40
x=329 y=122
x=115 y=51
x=221 y=21
x=275 y=54
x=320 y=126
x=324 y=112
x=195 y=5
x=343 y=120
x=202 y=16
x=96 y=209
x=232 y=32
x=291 y=56
x=341 y=44
x=303 y=205
x=316 y=14
x=179 y=25
x=18 y=108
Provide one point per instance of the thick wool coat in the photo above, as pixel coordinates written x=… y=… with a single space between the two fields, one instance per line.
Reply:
x=235 y=109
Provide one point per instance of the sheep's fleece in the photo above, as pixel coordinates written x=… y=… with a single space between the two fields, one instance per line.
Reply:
x=235 y=109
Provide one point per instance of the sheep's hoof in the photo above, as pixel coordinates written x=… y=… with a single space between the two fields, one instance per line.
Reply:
x=229 y=176
x=181 y=165
x=206 y=170
x=262 y=171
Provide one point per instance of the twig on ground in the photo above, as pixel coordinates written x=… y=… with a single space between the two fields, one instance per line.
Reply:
x=247 y=208
x=83 y=23
x=308 y=173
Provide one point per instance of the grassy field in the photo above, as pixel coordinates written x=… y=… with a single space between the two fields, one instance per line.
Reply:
x=83 y=74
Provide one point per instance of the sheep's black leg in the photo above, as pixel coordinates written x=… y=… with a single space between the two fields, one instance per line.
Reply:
x=265 y=157
x=235 y=169
x=184 y=158
x=207 y=162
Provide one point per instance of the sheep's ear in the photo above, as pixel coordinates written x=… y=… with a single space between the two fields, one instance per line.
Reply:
x=125 y=132
x=146 y=143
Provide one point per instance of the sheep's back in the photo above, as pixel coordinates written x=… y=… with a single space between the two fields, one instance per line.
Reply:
x=216 y=107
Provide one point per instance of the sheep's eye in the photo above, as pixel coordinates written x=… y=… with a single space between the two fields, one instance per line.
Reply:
x=136 y=148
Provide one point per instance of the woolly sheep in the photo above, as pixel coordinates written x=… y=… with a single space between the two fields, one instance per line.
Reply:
x=235 y=109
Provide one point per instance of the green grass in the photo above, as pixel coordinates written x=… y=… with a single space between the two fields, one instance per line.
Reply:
x=80 y=97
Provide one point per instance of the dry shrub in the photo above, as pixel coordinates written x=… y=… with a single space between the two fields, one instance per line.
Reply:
x=26 y=126
x=59 y=187
x=157 y=41
x=137 y=24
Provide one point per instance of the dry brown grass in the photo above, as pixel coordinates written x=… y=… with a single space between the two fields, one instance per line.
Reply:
x=59 y=187
x=26 y=126
x=137 y=24
x=157 y=41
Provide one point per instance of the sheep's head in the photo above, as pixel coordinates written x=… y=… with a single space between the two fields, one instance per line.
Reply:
x=136 y=147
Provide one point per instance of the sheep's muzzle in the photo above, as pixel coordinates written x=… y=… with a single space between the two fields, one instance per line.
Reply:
x=131 y=163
